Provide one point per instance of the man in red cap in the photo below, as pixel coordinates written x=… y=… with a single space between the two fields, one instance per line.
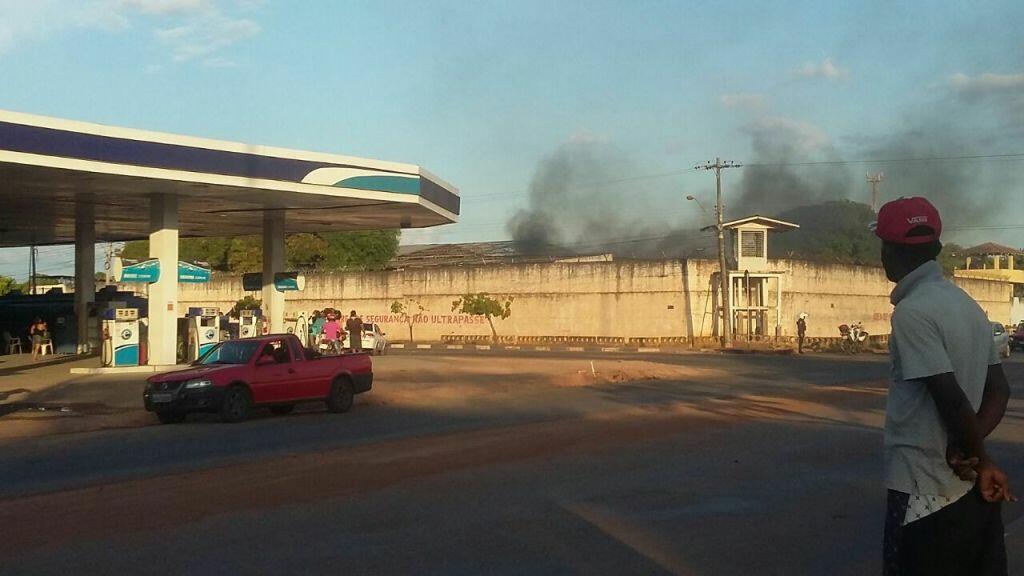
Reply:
x=948 y=392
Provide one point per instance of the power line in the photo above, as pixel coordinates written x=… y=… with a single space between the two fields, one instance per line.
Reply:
x=654 y=175
x=986 y=227
x=589 y=185
x=1016 y=156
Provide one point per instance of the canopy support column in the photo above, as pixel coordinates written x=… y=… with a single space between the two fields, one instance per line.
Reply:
x=163 y=294
x=85 y=271
x=273 y=262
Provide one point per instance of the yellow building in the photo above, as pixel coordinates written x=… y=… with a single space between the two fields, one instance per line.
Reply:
x=991 y=261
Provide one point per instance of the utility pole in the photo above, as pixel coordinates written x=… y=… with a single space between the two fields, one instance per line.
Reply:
x=32 y=271
x=723 y=270
x=874 y=180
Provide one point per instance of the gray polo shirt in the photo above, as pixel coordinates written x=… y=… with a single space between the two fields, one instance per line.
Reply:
x=936 y=328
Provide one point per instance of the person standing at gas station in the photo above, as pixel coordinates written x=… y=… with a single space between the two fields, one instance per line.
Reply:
x=332 y=332
x=37 y=331
x=354 y=325
x=316 y=327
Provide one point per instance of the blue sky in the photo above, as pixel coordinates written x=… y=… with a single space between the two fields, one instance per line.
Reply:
x=480 y=92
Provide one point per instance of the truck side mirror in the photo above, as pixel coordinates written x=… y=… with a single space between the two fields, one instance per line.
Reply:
x=265 y=361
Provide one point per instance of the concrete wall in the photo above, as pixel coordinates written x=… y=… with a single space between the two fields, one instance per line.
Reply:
x=601 y=300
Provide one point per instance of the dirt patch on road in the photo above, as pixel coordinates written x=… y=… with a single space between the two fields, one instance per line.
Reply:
x=622 y=371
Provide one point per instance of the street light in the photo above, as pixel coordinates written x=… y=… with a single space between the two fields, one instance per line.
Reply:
x=699 y=205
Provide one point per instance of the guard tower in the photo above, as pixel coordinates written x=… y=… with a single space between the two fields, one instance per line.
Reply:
x=755 y=289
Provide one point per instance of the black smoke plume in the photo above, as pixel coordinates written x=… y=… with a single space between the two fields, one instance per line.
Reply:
x=583 y=201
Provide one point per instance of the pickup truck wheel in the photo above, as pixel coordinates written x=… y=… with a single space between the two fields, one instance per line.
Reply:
x=236 y=405
x=282 y=410
x=170 y=417
x=340 y=399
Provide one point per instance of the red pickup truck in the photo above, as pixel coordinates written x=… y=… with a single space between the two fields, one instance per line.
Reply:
x=1017 y=338
x=273 y=371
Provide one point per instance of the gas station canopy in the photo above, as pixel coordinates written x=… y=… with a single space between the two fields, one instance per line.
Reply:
x=64 y=182
x=48 y=166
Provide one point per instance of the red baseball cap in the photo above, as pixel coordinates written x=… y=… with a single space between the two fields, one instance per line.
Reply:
x=897 y=218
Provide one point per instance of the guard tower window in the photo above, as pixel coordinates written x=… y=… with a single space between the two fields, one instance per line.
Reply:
x=752 y=244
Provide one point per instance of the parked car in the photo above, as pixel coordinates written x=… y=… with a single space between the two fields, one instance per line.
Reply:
x=1017 y=338
x=275 y=371
x=1001 y=338
x=374 y=340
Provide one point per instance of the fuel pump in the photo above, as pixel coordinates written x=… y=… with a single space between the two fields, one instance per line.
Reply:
x=203 y=330
x=302 y=329
x=121 y=337
x=249 y=323
x=299 y=326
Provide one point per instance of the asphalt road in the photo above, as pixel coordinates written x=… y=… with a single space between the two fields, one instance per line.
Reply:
x=495 y=464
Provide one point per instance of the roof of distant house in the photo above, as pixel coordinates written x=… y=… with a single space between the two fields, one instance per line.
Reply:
x=764 y=221
x=991 y=248
x=481 y=254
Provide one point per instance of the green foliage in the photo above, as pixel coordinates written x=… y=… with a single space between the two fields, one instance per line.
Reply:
x=135 y=250
x=839 y=232
x=213 y=251
x=244 y=254
x=7 y=285
x=406 y=309
x=369 y=250
x=305 y=251
x=481 y=304
x=830 y=232
x=247 y=303
x=950 y=258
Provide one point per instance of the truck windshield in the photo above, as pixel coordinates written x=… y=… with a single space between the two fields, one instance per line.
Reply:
x=231 y=352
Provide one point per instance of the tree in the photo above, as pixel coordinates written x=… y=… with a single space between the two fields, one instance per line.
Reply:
x=483 y=305
x=7 y=285
x=950 y=258
x=244 y=254
x=830 y=232
x=406 y=310
x=370 y=250
x=135 y=250
x=247 y=303
x=213 y=251
x=305 y=251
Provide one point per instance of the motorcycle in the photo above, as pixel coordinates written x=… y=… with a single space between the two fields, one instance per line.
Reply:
x=329 y=347
x=853 y=336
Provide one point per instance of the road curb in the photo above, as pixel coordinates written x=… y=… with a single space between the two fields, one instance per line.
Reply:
x=146 y=369
x=539 y=348
x=594 y=349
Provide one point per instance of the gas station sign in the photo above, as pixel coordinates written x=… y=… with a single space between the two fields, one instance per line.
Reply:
x=189 y=273
x=148 y=271
x=283 y=282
